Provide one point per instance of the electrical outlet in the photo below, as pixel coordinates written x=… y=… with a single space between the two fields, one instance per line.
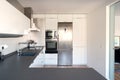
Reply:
x=2 y=47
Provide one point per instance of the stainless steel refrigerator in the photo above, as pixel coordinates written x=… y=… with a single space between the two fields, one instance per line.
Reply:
x=65 y=43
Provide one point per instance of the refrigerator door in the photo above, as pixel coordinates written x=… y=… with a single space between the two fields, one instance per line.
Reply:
x=65 y=43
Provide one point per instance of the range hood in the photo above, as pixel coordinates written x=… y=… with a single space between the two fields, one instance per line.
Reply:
x=33 y=28
x=28 y=12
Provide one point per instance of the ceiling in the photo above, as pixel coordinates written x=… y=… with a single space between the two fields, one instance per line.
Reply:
x=62 y=6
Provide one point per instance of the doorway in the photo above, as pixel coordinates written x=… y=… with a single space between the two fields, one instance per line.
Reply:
x=112 y=12
x=117 y=42
x=65 y=43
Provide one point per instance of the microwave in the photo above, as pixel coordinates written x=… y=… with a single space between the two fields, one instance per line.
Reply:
x=50 y=34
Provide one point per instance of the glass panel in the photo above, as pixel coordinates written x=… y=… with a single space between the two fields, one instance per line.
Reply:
x=51 y=45
x=111 y=41
x=117 y=41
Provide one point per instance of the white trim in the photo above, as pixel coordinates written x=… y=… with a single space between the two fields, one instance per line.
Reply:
x=107 y=41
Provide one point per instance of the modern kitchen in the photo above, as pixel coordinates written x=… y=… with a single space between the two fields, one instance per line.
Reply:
x=47 y=30
x=55 y=42
x=36 y=40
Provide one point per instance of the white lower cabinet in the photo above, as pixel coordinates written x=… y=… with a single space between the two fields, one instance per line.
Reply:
x=79 y=56
x=51 y=59
x=45 y=59
x=38 y=61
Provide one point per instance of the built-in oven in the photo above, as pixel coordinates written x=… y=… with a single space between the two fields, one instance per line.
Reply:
x=50 y=34
x=51 y=41
x=51 y=46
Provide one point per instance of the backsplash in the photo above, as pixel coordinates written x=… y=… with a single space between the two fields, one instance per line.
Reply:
x=12 y=44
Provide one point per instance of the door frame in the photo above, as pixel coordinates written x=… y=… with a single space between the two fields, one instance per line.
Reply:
x=110 y=28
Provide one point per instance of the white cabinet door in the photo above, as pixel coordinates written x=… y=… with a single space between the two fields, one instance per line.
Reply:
x=51 y=22
x=50 y=62
x=79 y=41
x=65 y=18
x=79 y=56
x=78 y=16
x=51 y=59
x=79 y=32
x=51 y=16
x=12 y=21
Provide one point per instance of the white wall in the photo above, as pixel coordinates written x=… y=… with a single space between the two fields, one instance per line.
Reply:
x=39 y=37
x=96 y=38
x=12 y=44
x=117 y=25
x=14 y=22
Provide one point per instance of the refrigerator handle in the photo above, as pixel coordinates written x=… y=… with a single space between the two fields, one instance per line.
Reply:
x=55 y=35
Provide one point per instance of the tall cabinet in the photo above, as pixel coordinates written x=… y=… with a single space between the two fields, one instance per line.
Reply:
x=79 y=40
x=51 y=22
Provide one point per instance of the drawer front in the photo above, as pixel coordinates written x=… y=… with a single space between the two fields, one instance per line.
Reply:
x=50 y=61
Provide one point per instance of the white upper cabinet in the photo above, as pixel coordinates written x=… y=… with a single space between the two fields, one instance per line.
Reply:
x=65 y=18
x=79 y=40
x=79 y=31
x=51 y=16
x=51 y=22
x=12 y=21
x=78 y=16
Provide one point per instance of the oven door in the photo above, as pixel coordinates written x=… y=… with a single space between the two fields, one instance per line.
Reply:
x=51 y=46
